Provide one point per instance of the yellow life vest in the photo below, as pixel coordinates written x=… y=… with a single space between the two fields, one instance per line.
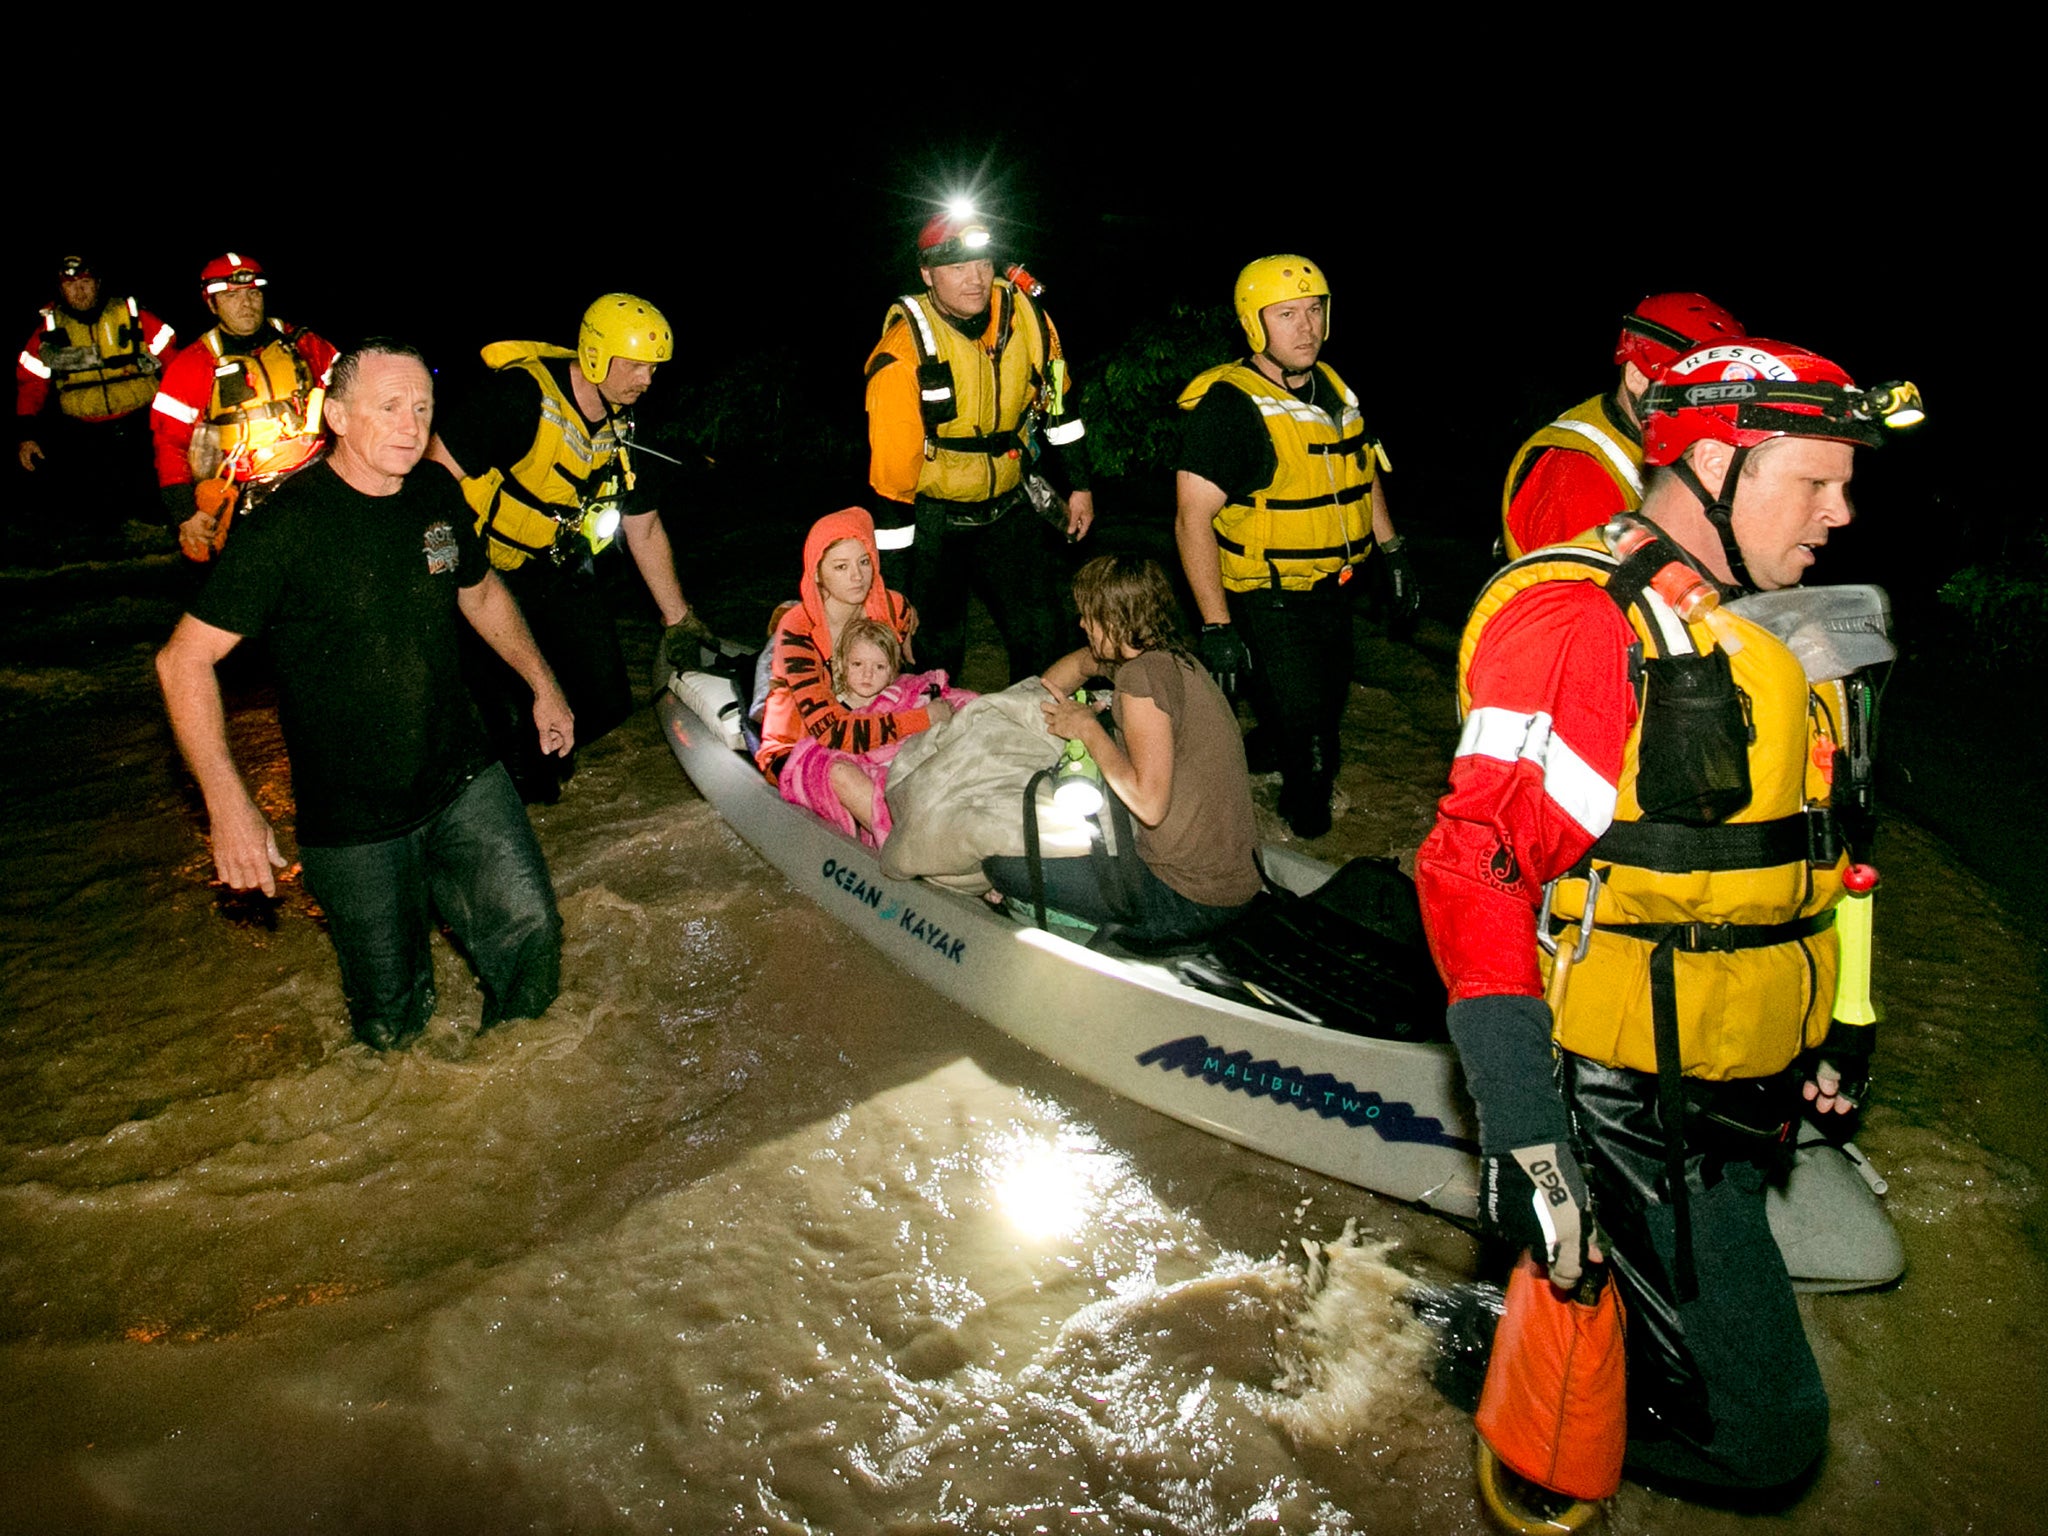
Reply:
x=980 y=397
x=1589 y=428
x=101 y=368
x=1747 y=904
x=264 y=408
x=566 y=482
x=1315 y=518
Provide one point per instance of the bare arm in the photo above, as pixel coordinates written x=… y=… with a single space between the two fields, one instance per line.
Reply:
x=245 y=852
x=1141 y=770
x=1070 y=671
x=1197 y=501
x=1382 y=521
x=494 y=615
x=647 y=540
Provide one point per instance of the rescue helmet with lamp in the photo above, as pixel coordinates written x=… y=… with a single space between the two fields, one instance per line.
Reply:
x=622 y=325
x=957 y=235
x=1273 y=280
x=1744 y=393
x=1668 y=326
x=73 y=267
x=230 y=270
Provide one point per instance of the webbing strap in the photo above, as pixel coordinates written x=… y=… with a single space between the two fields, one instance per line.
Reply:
x=1720 y=938
x=1034 y=860
x=1693 y=938
x=1671 y=1109
x=1672 y=849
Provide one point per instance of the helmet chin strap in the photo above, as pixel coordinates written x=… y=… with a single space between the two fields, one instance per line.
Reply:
x=1720 y=512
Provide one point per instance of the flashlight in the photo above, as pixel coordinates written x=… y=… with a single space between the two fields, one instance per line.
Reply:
x=600 y=525
x=1077 y=787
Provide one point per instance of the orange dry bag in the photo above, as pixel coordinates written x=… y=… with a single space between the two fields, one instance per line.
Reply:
x=1554 y=1408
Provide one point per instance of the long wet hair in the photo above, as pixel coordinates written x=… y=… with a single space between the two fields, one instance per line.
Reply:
x=877 y=634
x=1129 y=598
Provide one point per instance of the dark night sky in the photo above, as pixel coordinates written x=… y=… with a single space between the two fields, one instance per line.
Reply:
x=1477 y=263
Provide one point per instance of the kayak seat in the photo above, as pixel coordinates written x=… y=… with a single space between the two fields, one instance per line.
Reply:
x=1350 y=956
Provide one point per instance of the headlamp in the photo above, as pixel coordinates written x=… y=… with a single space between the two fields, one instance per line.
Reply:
x=1898 y=405
x=241 y=277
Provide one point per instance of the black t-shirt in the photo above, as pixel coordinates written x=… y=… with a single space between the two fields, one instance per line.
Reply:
x=1225 y=441
x=492 y=424
x=357 y=597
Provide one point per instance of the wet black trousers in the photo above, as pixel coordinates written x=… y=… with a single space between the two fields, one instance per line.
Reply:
x=1723 y=1391
x=1147 y=909
x=1300 y=643
x=93 y=477
x=477 y=864
x=573 y=626
x=1009 y=563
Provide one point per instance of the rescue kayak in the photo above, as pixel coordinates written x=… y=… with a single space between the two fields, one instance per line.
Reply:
x=1387 y=1115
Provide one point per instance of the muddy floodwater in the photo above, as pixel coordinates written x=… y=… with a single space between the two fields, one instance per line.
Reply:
x=752 y=1234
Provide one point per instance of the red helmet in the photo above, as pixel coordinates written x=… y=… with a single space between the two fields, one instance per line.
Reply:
x=950 y=238
x=1747 y=392
x=231 y=271
x=1666 y=326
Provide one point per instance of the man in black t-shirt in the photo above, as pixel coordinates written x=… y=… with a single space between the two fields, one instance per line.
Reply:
x=358 y=575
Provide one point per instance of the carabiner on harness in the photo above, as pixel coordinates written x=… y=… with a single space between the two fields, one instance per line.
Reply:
x=1564 y=959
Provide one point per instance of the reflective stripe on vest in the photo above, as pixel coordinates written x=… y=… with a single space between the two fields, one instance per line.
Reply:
x=996 y=379
x=1314 y=518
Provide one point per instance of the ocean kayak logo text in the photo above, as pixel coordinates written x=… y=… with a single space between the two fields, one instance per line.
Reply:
x=888 y=909
x=1319 y=1092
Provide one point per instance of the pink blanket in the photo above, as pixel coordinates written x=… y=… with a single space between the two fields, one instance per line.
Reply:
x=806 y=778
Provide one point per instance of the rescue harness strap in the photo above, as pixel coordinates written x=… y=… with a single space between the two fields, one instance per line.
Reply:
x=1353 y=553
x=1693 y=938
x=1809 y=836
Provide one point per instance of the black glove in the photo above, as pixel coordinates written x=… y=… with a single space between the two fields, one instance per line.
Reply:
x=1847 y=1049
x=682 y=649
x=1403 y=591
x=1535 y=1198
x=1223 y=653
x=1531 y=1191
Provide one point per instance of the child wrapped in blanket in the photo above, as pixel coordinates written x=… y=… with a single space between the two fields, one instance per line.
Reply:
x=845 y=788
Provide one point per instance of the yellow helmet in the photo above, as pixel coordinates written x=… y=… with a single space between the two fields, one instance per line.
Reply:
x=1271 y=279
x=620 y=325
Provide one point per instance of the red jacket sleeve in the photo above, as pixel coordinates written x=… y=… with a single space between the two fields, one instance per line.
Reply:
x=1563 y=495
x=181 y=398
x=319 y=354
x=31 y=378
x=158 y=337
x=1533 y=783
